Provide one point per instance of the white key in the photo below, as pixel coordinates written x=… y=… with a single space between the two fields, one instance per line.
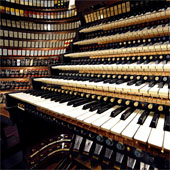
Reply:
x=112 y=122
x=145 y=90
x=160 y=66
x=121 y=125
x=119 y=87
x=152 y=66
x=133 y=126
x=56 y=109
x=102 y=120
x=94 y=117
x=86 y=115
x=127 y=88
x=46 y=104
x=166 y=144
x=167 y=66
x=157 y=134
x=132 y=66
x=153 y=91
x=143 y=131
x=136 y=89
x=164 y=92
x=75 y=111
x=24 y=97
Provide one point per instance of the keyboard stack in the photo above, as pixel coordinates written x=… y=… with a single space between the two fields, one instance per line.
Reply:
x=113 y=89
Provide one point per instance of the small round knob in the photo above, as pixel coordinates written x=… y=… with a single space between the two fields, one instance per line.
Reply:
x=109 y=142
x=160 y=108
x=138 y=153
x=150 y=106
x=120 y=146
x=100 y=138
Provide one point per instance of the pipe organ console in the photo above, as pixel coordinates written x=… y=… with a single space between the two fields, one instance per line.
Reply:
x=112 y=91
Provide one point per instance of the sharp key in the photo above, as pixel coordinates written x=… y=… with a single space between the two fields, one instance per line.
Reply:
x=167 y=123
x=154 y=120
x=143 y=117
x=156 y=136
x=127 y=113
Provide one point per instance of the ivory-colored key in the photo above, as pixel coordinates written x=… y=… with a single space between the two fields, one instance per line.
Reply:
x=75 y=111
x=143 y=131
x=145 y=90
x=131 y=129
x=121 y=125
x=166 y=144
x=86 y=115
x=94 y=117
x=167 y=66
x=104 y=119
x=164 y=92
x=153 y=91
x=112 y=122
x=157 y=134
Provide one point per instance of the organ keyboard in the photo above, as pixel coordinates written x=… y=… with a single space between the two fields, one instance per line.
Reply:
x=112 y=92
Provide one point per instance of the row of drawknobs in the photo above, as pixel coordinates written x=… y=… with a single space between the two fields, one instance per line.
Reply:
x=34 y=44
x=28 y=25
x=37 y=36
x=38 y=15
x=32 y=53
x=8 y=85
x=27 y=62
x=41 y=3
x=12 y=73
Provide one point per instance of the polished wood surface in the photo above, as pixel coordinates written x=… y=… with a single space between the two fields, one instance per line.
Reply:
x=4 y=112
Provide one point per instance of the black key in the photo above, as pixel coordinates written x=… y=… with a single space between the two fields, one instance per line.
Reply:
x=95 y=107
x=127 y=113
x=44 y=95
x=117 y=111
x=107 y=80
x=154 y=121
x=59 y=98
x=87 y=106
x=140 y=62
x=104 y=108
x=80 y=102
x=143 y=117
x=67 y=99
x=157 y=61
x=138 y=83
x=161 y=84
x=131 y=82
x=74 y=101
x=54 y=97
x=167 y=123
x=120 y=81
x=48 y=96
x=152 y=83
x=98 y=80
x=113 y=81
